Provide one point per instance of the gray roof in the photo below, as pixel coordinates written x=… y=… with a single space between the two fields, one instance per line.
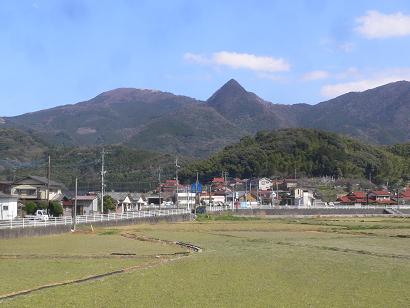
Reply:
x=6 y=196
x=42 y=180
x=119 y=196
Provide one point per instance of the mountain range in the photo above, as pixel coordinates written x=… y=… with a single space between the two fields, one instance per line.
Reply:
x=160 y=121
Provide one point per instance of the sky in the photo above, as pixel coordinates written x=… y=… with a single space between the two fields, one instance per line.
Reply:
x=56 y=52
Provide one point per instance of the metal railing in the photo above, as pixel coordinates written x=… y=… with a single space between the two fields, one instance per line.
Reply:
x=82 y=219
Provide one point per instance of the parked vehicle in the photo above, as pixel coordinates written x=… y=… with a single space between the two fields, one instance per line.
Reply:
x=39 y=215
x=200 y=209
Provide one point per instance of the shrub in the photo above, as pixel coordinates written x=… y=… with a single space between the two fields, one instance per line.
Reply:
x=30 y=207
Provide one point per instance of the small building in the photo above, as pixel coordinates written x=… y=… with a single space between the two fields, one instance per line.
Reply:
x=68 y=206
x=8 y=206
x=87 y=205
x=265 y=184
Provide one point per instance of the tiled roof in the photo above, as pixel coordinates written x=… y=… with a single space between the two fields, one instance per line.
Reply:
x=218 y=180
x=381 y=192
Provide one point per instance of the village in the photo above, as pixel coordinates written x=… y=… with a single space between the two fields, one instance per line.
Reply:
x=22 y=197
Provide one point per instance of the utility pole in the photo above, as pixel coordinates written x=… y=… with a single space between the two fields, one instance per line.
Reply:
x=75 y=203
x=257 y=192
x=196 y=191
x=224 y=174
x=176 y=180
x=102 y=180
x=48 y=180
x=209 y=201
x=233 y=196
x=246 y=193
x=159 y=184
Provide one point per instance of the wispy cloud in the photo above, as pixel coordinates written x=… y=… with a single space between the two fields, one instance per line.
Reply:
x=236 y=60
x=315 y=75
x=371 y=81
x=376 y=25
x=334 y=45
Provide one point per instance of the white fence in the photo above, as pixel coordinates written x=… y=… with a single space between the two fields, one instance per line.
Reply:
x=81 y=219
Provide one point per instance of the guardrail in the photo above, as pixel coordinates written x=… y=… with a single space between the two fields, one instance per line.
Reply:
x=82 y=219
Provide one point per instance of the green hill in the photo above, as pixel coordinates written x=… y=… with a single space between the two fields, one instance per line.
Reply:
x=309 y=152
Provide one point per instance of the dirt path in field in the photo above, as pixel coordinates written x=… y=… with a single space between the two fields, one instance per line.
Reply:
x=160 y=259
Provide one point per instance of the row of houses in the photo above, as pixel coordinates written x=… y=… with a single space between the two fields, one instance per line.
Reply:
x=381 y=197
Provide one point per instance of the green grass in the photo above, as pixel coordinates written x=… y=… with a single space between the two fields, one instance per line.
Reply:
x=31 y=262
x=323 y=262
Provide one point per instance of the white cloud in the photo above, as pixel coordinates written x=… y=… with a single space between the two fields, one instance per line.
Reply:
x=315 y=75
x=376 y=25
x=372 y=81
x=196 y=58
x=241 y=61
x=346 y=47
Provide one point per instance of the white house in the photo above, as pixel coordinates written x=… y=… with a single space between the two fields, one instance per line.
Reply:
x=265 y=184
x=8 y=206
x=185 y=199
x=303 y=197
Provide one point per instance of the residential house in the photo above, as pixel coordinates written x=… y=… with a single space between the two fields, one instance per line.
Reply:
x=37 y=188
x=185 y=198
x=5 y=186
x=8 y=206
x=217 y=183
x=125 y=201
x=303 y=197
x=213 y=198
x=170 y=186
x=380 y=197
x=265 y=184
x=267 y=196
x=288 y=184
x=405 y=196
x=354 y=198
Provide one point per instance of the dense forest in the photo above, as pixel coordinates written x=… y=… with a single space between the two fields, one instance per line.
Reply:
x=281 y=153
x=126 y=169
x=306 y=152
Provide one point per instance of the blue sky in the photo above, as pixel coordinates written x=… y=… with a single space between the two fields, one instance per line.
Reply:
x=60 y=52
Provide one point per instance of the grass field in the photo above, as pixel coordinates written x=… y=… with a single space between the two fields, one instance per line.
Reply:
x=245 y=262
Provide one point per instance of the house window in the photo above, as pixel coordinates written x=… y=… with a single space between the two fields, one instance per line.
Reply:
x=26 y=192
x=5 y=207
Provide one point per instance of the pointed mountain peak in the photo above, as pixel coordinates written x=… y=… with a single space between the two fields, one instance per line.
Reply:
x=232 y=83
x=230 y=89
x=233 y=86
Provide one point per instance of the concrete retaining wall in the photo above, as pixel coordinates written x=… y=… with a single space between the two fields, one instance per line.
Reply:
x=310 y=212
x=48 y=230
x=142 y=220
x=34 y=231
